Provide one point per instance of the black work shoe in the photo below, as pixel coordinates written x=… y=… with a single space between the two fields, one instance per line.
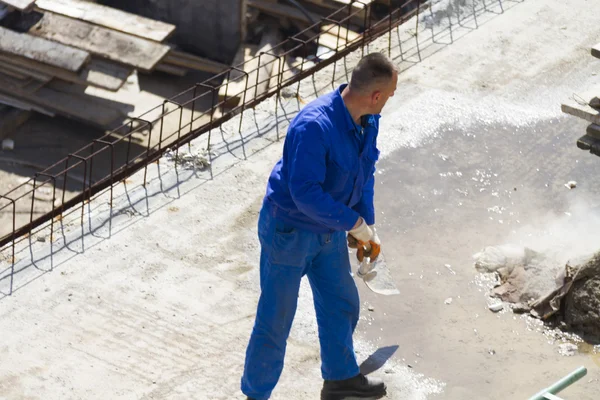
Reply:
x=360 y=387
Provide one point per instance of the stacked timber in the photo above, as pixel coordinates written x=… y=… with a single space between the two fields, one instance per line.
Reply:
x=586 y=106
x=51 y=50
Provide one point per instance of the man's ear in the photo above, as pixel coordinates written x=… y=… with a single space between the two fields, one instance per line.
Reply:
x=376 y=96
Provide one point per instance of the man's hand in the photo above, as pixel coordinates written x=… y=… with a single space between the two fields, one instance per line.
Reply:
x=361 y=231
x=373 y=243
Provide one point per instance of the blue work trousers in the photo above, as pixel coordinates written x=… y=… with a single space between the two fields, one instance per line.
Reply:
x=287 y=254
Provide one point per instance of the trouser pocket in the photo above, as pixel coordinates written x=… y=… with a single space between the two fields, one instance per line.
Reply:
x=289 y=246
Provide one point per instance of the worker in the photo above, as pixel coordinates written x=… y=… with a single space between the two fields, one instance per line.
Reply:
x=321 y=188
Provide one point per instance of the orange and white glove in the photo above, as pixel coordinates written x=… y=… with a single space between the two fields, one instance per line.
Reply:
x=370 y=247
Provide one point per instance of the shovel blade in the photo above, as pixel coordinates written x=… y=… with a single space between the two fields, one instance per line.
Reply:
x=379 y=279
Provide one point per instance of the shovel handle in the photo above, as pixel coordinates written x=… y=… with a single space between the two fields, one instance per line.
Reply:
x=369 y=249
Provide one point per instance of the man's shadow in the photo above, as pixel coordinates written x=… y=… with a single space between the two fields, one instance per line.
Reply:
x=377 y=359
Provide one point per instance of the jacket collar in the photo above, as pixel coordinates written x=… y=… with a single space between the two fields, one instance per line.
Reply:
x=345 y=118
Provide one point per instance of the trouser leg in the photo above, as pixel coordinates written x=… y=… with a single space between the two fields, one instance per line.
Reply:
x=337 y=307
x=284 y=252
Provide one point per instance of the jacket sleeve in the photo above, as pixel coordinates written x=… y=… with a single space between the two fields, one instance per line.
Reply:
x=306 y=175
x=365 y=206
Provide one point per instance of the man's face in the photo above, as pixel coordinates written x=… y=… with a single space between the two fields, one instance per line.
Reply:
x=380 y=97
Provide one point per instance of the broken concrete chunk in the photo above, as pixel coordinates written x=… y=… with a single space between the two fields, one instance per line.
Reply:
x=567 y=349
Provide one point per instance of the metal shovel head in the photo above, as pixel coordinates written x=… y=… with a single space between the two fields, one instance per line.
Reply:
x=378 y=278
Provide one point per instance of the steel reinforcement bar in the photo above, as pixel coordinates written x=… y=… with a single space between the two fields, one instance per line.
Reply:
x=241 y=81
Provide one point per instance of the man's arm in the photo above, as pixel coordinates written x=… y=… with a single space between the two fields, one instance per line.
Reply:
x=365 y=206
x=307 y=174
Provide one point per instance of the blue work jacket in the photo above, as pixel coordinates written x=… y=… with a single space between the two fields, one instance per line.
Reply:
x=325 y=178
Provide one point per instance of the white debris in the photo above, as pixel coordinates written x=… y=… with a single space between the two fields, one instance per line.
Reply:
x=567 y=349
x=448 y=301
x=450 y=269
x=496 y=307
x=571 y=185
x=8 y=144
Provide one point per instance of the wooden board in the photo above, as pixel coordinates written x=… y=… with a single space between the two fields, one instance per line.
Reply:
x=236 y=80
x=190 y=61
x=98 y=73
x=257 y=80
x=171 y=69
x=42 y=50
x=109 y=17
x=117 y=46
x=332 y=36
x=596 y=51
x=328 y=7
x=593 y=130
x=94 y=111
x=5 y=66
x=11 y=100
x=583 y=111
x=21 y=5
x=13 y=72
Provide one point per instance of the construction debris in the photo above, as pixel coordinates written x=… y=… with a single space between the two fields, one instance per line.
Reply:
x=571 y=298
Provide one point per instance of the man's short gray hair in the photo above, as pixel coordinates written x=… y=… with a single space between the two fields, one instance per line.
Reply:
x=372 y=69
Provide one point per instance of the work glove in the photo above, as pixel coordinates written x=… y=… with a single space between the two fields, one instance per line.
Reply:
x=362 y=232
x=370 y=247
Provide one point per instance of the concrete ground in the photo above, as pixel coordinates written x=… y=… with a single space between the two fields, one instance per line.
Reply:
x=156 y=298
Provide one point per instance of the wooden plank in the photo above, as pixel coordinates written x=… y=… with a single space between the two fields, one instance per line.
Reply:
x=593 y=130
x=34 y=86
x=329 y=35
x=88 y=109
x=596 y=51
x=109 y=17
x=105 y=74
x=13 y=101
x=27 y=84
x=327 y=8
x=21 y=5
x=21 y=69
x=13 y=72
x=257 y=81
x=98 y=73
x=171 y=69
x=237 y=80
x=585 y=112
x=337 y=30
x=116 y=46
x=42 y=50
x=190 y=61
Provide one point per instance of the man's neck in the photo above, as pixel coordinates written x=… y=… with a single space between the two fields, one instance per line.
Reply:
x=353 y=105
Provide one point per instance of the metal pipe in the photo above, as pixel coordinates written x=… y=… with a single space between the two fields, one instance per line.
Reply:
x=561 y=384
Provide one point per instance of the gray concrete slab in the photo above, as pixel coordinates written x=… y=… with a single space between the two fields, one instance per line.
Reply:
x=155 y=299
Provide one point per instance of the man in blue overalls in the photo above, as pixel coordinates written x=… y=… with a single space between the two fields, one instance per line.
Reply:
x=320 y=189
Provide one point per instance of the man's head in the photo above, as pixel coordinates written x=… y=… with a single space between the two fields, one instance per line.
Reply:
x=374 y=81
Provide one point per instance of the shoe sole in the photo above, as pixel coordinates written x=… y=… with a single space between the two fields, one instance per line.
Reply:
x=353 y=396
